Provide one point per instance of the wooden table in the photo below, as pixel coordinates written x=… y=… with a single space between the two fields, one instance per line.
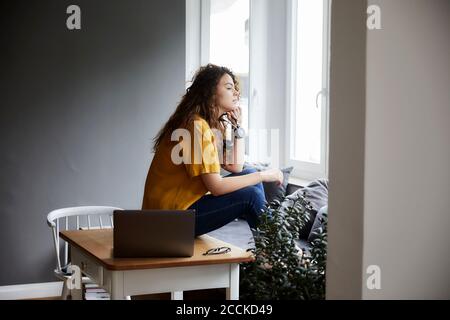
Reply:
x=92 y=251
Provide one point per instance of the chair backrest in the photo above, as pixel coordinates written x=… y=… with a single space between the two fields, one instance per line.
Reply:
x=53 y=221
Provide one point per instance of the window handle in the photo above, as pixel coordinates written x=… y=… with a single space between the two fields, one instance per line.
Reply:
x=324 y=92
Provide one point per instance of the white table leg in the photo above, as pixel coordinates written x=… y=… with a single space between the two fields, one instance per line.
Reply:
x=117 y=292
x=233 y=289
x=76 y=294
x=65 y=291
x=176 y=295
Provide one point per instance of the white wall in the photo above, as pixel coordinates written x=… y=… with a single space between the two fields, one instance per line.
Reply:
x=407 y=162
x=395 y=191
x=346 y=160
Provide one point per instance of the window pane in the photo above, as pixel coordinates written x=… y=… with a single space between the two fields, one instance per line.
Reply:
x=229 y=43
x=308 y=80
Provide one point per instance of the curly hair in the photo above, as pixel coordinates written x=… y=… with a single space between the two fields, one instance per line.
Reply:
x=199 y=99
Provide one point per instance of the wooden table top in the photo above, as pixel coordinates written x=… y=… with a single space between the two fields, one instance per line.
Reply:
x=98 y=244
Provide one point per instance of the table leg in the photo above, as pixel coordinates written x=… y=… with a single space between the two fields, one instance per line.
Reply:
x=233 y=290
x=176 y=295
x=117 y=292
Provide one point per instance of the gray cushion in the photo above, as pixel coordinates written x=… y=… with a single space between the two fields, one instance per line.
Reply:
x=291 y=188
x=304 y=245
x=236 y=232
x=316 y=193
x=317 y=223
x=271 y=190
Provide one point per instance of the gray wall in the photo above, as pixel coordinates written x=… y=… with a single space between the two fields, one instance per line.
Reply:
x=78 y=112
x=407 y=167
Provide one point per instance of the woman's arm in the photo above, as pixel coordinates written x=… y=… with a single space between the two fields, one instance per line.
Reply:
x=234 y=161
x=218 y=185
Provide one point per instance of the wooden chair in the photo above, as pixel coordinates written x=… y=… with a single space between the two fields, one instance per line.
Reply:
x=87 y=213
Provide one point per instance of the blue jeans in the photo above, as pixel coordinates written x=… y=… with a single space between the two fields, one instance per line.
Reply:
x=213 y=212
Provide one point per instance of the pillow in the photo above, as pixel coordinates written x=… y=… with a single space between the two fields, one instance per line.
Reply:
x=317 y=223
x=316 y=193
x=271 y=190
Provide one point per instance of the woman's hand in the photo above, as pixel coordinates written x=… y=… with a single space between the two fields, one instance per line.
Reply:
x=272 y=175
x=235 y=116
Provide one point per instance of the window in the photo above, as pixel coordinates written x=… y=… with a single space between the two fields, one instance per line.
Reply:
x=307 y=116
x=223 y=39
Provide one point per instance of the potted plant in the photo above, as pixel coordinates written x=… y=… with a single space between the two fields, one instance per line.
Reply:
x=281 y=270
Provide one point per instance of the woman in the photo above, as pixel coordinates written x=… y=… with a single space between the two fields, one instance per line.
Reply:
x=182 y=179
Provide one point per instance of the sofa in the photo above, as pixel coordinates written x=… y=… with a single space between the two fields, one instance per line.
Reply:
x=238 y=231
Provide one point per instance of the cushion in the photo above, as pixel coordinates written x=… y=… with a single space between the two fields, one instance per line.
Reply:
x=271 y=190
x=317 y=223
x=316 y=193
x=291 y=187
x=238 y=233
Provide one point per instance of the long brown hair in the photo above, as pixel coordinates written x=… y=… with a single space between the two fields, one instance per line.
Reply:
x=198 y=100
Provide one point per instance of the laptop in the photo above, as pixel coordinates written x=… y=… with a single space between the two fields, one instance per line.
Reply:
x=153 y=233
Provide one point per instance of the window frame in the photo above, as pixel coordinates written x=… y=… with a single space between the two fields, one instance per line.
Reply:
x=193 y=38
x=205 y=17
x=302 y=169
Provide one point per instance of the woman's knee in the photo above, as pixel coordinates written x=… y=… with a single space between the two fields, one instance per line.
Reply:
x=245 y=171
x=256 y=204
x=248 y=170
x=255 y=196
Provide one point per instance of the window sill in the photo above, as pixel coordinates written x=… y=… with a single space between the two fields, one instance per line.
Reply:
x=298 y=181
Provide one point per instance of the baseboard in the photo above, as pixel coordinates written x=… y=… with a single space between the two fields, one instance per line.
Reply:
x=31 y=291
